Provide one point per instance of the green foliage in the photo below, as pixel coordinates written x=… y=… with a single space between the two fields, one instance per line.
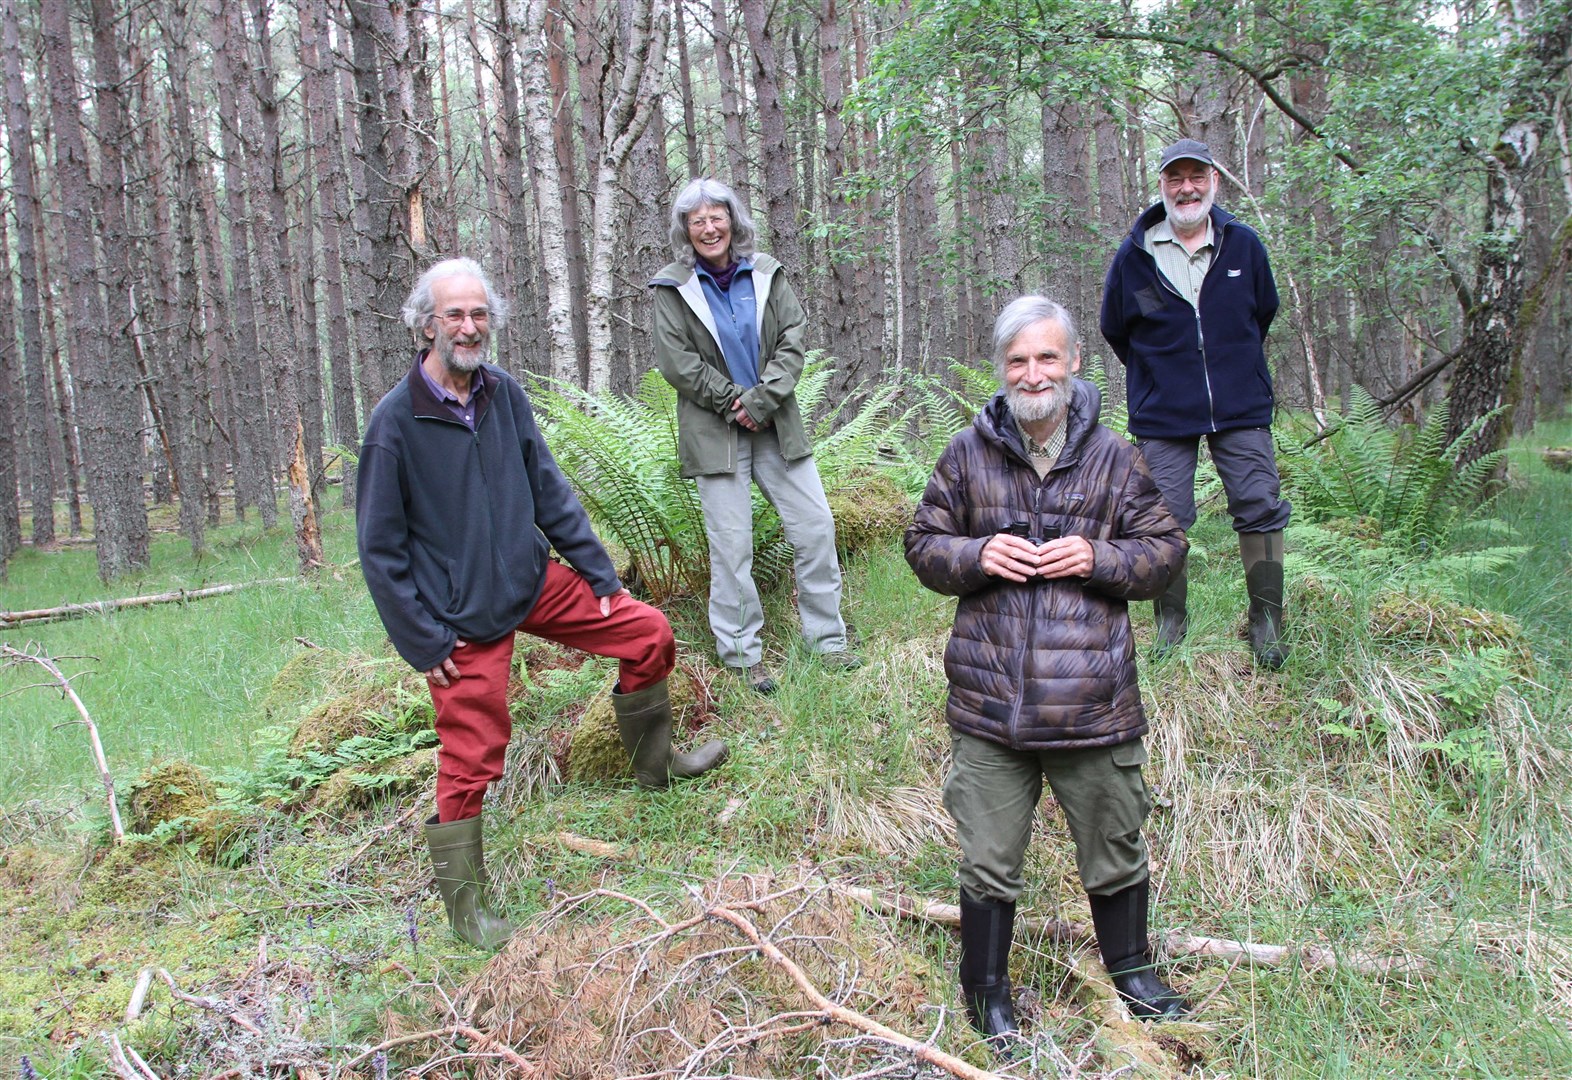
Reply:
x=620 y=454
x=1403 y=487
x=279 y=777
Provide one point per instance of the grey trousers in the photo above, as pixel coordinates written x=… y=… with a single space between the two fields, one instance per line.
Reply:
x=794 y=489
x=1247 y=465
x=992 y=793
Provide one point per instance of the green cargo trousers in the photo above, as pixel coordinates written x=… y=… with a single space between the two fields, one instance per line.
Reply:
x=992 y=793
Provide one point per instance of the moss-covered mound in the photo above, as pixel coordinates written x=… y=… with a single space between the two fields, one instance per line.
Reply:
x=169 y=791
x=359 y=787
x=361 y=711
x=870 y=509
x=1436 y=621
x=595 y=749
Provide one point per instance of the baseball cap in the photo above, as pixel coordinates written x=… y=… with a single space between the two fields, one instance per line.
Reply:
x=1186 y=148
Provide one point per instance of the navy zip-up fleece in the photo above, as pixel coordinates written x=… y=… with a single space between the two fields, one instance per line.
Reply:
x=455 y=526
x=1191 y=371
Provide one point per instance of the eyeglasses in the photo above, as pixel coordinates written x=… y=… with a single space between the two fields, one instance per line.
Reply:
x=1175 y=182
x=712 y=220
x=454 y=317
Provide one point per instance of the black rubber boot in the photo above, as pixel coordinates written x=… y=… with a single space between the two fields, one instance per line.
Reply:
x=987 y=927
x=644 y=722
x=1262 y=555
x=460 y=865
x=1120 y=921
x=1173 y=620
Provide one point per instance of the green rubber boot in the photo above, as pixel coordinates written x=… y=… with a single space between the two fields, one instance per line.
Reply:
x=460 y=866
x=1173 y=620
x=1262 y=555
x=644 y=722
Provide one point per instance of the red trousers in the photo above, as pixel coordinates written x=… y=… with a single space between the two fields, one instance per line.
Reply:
x=473 y=725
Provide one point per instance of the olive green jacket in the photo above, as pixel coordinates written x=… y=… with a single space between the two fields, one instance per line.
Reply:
x=688 y=354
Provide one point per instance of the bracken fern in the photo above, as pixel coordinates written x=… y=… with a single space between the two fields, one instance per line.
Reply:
x=1405 y=487
x=620 y=454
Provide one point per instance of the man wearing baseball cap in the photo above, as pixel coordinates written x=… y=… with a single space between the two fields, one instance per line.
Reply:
x=1186 y=307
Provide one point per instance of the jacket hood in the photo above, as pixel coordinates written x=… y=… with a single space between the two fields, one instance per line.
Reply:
x=1157 y=212
x=996 y=424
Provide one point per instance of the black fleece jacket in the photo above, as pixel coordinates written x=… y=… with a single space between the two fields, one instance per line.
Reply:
x=455 y=526
x=1192 y=372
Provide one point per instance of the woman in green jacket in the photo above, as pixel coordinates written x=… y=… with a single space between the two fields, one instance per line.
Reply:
x=728 y=337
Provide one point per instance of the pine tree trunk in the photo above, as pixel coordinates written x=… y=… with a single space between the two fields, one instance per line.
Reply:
x=780 y=190
x=731 y=105
x=35 y=368
x=548 y=194
x=109 y=414
x=318 y=96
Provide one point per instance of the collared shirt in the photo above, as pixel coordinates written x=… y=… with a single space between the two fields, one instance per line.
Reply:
x=1045 y=456
x=462 y=411
x=1184 y=271
x=736 y=321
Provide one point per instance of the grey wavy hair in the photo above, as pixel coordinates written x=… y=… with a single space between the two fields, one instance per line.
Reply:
x=1020 y=313
x=420 y=307
x=705 y=191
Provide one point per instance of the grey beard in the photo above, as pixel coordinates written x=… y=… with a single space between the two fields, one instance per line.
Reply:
x=1031 y=410
x=458 y=364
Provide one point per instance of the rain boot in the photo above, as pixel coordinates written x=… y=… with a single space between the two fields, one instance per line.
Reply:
x=460 y=867
x=987 y=927
x=1120 y=921
x=1172 y=618
x=644 y=722
x=1262 y=554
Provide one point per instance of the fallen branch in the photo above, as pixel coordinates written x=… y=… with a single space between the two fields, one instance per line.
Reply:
x=9 y=620
x=1173 y=943
x=17 y=656
x=1176 y=943
x=224 y=1009
x=459 y=1031
x=931 y=911
x=920 y=1050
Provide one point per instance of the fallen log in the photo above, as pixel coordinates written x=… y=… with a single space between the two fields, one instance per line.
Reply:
x=11 y=619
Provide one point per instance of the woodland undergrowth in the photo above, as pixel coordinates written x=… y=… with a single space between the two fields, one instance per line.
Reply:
x=1394 y=807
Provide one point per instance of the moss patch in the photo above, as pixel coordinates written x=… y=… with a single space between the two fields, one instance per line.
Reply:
x=869 y=509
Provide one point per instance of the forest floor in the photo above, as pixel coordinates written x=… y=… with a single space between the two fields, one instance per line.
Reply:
x=1395 y=807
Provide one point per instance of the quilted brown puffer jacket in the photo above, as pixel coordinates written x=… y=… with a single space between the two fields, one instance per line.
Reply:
x=1048 y=664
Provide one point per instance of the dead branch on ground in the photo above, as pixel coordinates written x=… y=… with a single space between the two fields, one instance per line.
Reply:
x=17 y=656
x=10 y=620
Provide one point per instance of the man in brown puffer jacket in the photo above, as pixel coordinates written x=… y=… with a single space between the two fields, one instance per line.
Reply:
x=1046 y=525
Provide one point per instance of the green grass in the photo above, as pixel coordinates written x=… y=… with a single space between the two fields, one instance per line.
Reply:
x=1323 y=805
x=172 y=680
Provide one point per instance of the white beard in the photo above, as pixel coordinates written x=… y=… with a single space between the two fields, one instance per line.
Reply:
x=1189 y=214
x=460 y=363
x=1031 y=409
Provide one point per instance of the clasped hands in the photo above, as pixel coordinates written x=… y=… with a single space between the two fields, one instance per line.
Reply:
x=1016 y=558
x=739 y=413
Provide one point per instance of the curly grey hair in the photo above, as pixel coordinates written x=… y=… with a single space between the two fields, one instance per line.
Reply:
x=420 y=307
x=707 y=192
x=1020 y=313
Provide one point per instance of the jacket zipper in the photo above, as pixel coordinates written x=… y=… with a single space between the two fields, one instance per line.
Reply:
x=1031 y=612
x=1200 y=335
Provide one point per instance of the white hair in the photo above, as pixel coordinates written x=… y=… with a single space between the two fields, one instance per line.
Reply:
x=1020 y=313
x=420 y=307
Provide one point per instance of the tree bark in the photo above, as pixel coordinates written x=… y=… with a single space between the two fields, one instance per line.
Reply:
x=731 y=105
x=317 y=89
x=548 y=194
x=35 y=367
x=627 y=114
x=250 y=430
x=109 y=416
x=780 y=189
